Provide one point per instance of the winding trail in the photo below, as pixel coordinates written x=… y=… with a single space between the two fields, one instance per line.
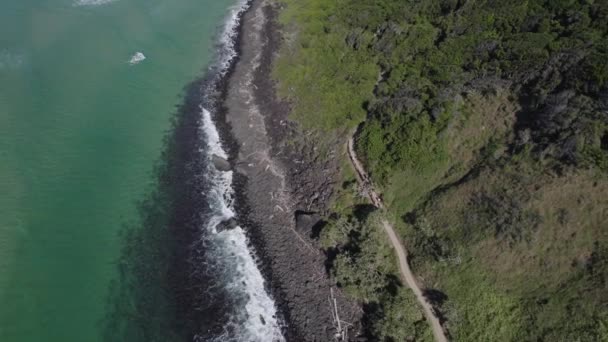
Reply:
x=404 y=267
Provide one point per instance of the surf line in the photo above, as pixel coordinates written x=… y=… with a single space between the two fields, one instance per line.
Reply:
x=257 y=319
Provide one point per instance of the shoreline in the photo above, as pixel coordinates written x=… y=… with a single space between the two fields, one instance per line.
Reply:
x=292 y=264
x=256 y=244
x=231 y=145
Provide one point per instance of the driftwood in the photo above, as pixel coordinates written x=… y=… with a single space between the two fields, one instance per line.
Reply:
x=340 y=326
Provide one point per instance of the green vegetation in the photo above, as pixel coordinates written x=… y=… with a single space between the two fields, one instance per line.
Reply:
x=534 y=241
x=365 y=268
x=486 y=129
x=314 y=60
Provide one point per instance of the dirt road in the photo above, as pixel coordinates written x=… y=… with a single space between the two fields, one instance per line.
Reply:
x=404 y=268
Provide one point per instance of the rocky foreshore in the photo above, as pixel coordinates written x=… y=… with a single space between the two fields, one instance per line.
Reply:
x=283 y=188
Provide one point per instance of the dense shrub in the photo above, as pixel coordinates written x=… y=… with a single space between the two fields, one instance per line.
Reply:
x=444 y=89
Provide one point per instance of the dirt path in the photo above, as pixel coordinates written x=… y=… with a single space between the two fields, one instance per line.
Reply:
x=404 y=267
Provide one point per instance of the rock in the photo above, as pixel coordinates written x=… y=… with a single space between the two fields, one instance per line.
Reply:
x=221 y=163
x=228 y=224
x=305 y=221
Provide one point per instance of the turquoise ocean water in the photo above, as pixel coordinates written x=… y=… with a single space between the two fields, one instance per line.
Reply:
x=80 y=132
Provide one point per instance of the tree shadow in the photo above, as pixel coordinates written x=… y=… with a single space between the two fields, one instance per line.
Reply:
x=362 y=211
x=317 y=229
x=372 y=312
x=436 y=298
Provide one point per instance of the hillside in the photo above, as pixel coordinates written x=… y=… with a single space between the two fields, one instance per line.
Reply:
x=484 y=125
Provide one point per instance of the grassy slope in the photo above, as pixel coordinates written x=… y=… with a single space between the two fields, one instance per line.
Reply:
x=486 y=129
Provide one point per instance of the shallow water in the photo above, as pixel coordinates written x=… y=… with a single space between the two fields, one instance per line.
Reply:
x=81 y=131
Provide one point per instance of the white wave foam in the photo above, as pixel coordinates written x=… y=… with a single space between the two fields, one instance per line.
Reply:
x=229 y=33
x=137 y=58
x=92 y=2
x=258 y=321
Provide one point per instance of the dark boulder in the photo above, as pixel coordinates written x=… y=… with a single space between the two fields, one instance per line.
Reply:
x=220 y=163
x=227 y=224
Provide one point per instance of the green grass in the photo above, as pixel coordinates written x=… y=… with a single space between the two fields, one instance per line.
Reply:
x=536 y=240
x=477 y=311
x=327 y=83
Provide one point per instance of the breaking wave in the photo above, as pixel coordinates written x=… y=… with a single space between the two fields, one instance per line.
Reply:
x=257 y=320
x=253 y=314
